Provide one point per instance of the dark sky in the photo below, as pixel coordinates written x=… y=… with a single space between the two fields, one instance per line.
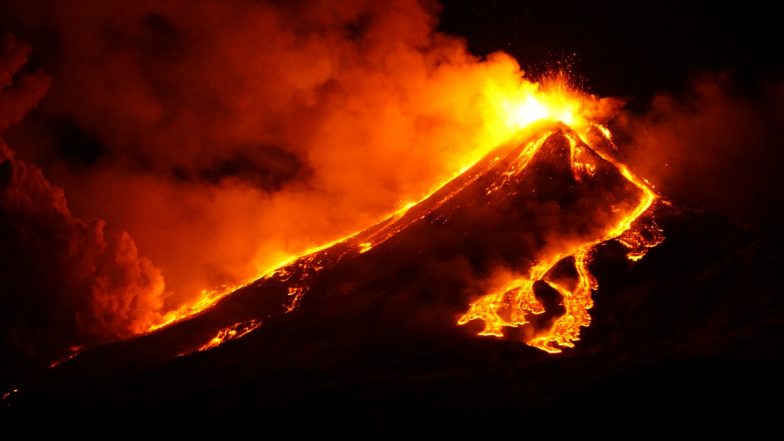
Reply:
x=626 y=49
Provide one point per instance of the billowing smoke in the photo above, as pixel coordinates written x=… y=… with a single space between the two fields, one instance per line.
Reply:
x=64 y=281
x=226 y=135
x=716 y=147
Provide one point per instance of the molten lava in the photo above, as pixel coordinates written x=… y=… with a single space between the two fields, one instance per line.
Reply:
x=230 y=333
x=514 y=301
x=529 y=115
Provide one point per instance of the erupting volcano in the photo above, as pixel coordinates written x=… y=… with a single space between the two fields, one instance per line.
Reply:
x=514 y=231
x=531 y=210
x=335 y=211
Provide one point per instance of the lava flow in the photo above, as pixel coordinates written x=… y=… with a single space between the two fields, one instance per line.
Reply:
x=232 y=332
x=512 y=303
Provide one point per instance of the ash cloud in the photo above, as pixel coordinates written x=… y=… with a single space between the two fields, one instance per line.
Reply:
x=64 y=281
x=715 y=147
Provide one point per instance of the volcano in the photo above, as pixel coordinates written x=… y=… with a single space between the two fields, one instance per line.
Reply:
x=385 y=322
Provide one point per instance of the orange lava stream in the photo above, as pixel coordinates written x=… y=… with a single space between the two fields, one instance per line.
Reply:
x=232 y=332
x=511 y=305
x=210 y=297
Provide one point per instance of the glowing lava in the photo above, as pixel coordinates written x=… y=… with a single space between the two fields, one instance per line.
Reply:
x=511 y=305
x=230 y=333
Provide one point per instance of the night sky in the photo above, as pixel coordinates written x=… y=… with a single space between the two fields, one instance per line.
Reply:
x=631 y=49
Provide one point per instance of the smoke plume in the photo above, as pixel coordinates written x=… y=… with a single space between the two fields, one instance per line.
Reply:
x=64 y=281
x=716 y=147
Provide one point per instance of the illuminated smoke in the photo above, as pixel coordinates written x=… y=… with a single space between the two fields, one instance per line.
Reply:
x=65 y=280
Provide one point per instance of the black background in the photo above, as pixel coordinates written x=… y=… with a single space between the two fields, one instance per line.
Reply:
x=630 y=49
